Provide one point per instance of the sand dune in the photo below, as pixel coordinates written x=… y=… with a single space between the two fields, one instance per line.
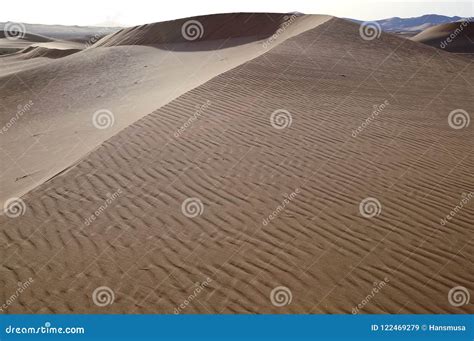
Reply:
x=49 y=37
x=9 y=46
x=81 y=34
x=213 y=141
x=46 y=52
x=454 y=37
x=211 y=27
x=126 y=81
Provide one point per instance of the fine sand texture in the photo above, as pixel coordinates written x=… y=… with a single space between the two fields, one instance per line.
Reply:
x=123 y=82
x=310 y=177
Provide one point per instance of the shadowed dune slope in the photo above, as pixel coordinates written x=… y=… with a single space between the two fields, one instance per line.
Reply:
x=209 y=27
x=29 y=37
x=124 y=82
x=216 y=144
x=46 y=52
x=454 y=37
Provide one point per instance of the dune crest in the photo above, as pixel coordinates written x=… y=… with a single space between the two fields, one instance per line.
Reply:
x=129 y=81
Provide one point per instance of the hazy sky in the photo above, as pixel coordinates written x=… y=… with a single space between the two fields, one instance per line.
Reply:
x=135 y=12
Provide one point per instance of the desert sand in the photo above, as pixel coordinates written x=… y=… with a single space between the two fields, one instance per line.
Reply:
x=453 y=37
x=128 y=81
x=273 y=137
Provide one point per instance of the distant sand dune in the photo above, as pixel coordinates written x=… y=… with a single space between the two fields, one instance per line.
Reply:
x=454 y=37
x=215 y=142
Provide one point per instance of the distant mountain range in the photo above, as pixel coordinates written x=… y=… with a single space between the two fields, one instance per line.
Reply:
x=413 y=25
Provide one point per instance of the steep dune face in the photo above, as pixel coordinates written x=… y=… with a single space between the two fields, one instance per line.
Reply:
x=117 y=83
x=13 y=45
x=289 y=128
x=209 y=27
x=46 y=52
x=29 y=37
x=454 y=37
